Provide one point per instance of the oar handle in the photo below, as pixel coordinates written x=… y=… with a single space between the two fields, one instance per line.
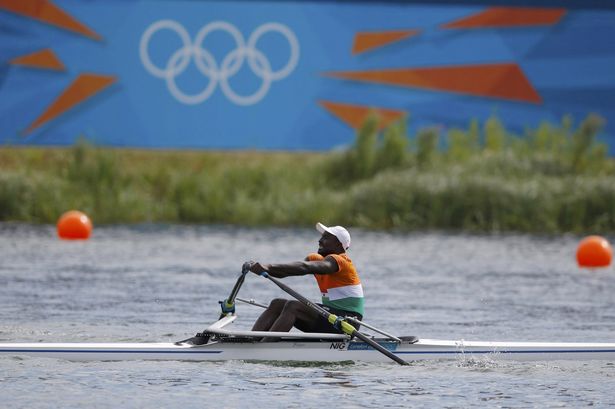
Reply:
x=334 y=319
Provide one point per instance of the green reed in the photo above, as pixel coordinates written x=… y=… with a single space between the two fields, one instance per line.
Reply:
x=554 y=178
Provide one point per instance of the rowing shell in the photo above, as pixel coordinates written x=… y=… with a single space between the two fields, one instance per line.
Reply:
x=218 y=343
x=312 y=350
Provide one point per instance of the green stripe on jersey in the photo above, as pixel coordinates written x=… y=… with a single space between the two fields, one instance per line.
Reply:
x=354 y=304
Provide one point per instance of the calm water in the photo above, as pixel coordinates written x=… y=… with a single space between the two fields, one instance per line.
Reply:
x=161 y=283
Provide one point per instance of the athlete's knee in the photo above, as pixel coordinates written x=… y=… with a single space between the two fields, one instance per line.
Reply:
x=277 y=303
x=292 y=306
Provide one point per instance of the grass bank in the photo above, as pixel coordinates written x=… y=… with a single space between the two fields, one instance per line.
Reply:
x=482 y=178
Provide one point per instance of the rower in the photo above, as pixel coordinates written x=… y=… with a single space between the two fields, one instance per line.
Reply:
x=337 y=278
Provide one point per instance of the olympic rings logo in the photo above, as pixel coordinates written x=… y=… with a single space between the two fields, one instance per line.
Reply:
x=209 y=67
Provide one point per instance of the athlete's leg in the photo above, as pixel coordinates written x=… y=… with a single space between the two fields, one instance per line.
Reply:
x=294 y=312
x=270 y=315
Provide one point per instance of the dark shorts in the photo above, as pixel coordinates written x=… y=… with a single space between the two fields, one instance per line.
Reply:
x=322 y=325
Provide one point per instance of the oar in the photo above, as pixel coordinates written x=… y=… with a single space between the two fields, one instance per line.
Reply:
x=228 y=305
x=228 y=308
x=333 y=319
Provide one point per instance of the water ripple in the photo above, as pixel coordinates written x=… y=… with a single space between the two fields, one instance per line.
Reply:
x=162 y=283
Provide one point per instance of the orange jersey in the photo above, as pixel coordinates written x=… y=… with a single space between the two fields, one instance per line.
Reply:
x=342 y=289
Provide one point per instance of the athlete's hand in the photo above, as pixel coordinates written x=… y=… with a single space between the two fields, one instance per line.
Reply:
x=258 y=268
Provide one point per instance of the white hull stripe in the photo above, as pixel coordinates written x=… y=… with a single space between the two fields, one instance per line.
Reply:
x=103 y=351
x=354 y=291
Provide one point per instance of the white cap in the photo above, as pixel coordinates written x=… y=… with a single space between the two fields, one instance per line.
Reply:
x=338 y=231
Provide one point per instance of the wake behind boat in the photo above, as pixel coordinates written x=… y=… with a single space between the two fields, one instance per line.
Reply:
x=218 y=343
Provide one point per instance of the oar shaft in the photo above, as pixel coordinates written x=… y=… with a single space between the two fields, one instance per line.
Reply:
x=231 y=297
x=228 y=305
x=379 y=348
x=366 y=325
x=245 y=269
x=332 y=318
x=324 y=313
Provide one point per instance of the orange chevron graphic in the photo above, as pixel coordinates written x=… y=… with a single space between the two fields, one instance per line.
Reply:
x=47 y=12
x=368 y=41
x=84 y=87
x=45 y=59
x=505 y=81
x=509 y=17
x=355 y=115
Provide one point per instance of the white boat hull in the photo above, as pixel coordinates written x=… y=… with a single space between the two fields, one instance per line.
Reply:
x=313 y=351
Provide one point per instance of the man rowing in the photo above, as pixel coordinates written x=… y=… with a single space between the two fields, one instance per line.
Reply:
x=337 y=278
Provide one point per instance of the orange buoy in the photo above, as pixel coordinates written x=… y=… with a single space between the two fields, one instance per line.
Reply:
x=74 y=225
x=594 y=251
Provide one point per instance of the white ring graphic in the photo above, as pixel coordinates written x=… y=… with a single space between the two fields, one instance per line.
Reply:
x=209 y=67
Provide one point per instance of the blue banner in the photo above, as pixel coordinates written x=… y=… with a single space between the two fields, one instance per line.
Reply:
x=291 y=75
